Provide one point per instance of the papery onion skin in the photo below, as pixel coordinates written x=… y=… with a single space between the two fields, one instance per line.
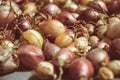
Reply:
x=52 y=28
x=81 y=68
x=30 y=55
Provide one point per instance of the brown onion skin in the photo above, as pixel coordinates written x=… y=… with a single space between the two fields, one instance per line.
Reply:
x=30 y=55
x=115 y=49
x=98 y=57
x=81 y=68
x=50 y=50
x=52 y=28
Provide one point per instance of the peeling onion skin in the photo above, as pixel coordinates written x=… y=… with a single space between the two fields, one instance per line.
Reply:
x=81 y=68
x=30 y=55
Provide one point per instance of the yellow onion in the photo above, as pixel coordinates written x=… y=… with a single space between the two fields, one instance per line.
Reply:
x=33 y=37
x=52 y=28
x=63 y=40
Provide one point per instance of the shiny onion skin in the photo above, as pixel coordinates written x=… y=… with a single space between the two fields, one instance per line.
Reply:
x=52 y=28
x=50 y=50
x=30 y=55
x=98 y=57
x=113 y=30
x=81 y=68
x=51 y=9
x=63 y=57
x=63 y=40
x=66 y=18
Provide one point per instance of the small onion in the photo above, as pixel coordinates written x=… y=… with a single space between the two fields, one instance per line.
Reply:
x=45 y=71
x=63 y=58
x=66 y=18
x=98 y=57
x=52 y=28
x=6 y=15
x=63 y=40
x=113 y=30
x=50 y=50
x=115 y=67
x=8 y=61
x=33 y=37
x=52 y=9
x=113 y=20
x=81 y=69
x=105 y=74
x=30 y=55
x=70 y=6
x=7 y=44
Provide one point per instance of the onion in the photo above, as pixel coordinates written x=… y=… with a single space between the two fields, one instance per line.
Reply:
x=50 y=50
x=115 y=6
x=81 y=69
x=6 y=15
x=6 y=44
x=45 y=71
x=8 y=61
x=113 y=30
x=63 y=58
x=115 y=67
x=98 y=57
x=33 y=37
x=52 y=28
x=105 y=74
x=115 y=49
x=30 y=55
x=63 y=40
x=113 y=20
x=66 y=18
x=52 y=9
x=90 y=15
x=85 y=2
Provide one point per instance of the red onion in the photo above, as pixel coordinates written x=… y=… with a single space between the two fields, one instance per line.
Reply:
x=98 y=57
x=66 y=18
x=81 y=69
x=30 y=55
x=113 y=30
x=115 y=49
x=52 y=9
x=50 y=50
x=63 y=57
